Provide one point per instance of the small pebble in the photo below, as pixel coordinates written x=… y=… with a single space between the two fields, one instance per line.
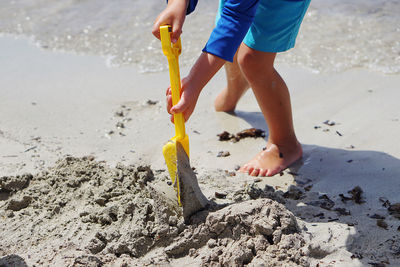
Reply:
x=211 y=243
x=342 y=211
x=223 y=154
x=151 y=102
x=9 y=213
x=308 y=187
x=381 y=223
x=220 y=195
x=228 y=173
x=224 y=136
x=377 y=216
x=356 y=256
x=394 y=210
x=332 y=220
x=119 y=113
x=329 y=123
x=120 y=125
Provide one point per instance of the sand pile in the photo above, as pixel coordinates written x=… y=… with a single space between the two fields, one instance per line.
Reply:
x=251 y=232
x=83 y=213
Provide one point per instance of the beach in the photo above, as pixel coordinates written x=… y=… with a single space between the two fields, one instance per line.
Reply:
x=83 y=181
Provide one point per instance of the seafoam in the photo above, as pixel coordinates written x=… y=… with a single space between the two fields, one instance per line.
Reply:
x=336 y=35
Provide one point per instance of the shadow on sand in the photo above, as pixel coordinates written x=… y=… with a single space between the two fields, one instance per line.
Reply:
x=328 y=174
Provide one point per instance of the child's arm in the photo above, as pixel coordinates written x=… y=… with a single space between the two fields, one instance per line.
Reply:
x=236 y=18
x=202 y=71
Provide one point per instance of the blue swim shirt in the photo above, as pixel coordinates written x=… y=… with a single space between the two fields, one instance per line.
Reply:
x=231 y=28
x=191 y=6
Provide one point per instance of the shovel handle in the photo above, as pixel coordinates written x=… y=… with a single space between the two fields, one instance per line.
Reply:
x=172 y=51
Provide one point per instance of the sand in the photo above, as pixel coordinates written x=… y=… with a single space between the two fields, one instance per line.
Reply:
x=82 y=210
x=83 y=180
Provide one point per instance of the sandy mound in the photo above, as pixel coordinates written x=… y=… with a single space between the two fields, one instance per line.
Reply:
x=252 y=232
x=83 y=213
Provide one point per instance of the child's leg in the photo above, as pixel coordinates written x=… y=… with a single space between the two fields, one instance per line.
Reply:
x=237 y=85
x=273 y=97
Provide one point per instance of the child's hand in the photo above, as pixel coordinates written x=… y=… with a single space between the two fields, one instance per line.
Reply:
x=173 y=15
x=202 y=71
x=187 y=103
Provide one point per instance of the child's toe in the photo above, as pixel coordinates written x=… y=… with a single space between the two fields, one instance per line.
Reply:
x=243 y=169
x=255 y=172
x=263 y=172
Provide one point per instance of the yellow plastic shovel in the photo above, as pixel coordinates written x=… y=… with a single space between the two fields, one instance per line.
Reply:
x=172 y=51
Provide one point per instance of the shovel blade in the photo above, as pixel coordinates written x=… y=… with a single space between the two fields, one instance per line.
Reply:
x=170 y=156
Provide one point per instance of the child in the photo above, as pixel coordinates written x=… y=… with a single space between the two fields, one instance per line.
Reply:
x=248 y=34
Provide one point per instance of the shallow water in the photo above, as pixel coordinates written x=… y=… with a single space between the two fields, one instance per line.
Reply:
x=336 y=35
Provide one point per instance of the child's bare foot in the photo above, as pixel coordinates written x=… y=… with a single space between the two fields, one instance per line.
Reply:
x=227 y=99
x=272 y=160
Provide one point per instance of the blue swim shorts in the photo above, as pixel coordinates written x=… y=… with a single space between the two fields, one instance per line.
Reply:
x=276 y=24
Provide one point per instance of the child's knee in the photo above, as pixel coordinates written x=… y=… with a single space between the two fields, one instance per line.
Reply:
x=252 y=61
x=247 y=59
